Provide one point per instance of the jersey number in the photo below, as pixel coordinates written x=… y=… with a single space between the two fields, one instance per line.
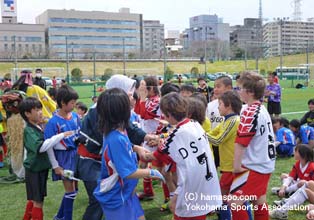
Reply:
x=201 y=160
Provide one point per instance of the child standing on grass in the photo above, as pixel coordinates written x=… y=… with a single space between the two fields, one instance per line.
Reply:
x=36 y=163
x=119 y=173
x=254 y=153
x=188 y=147
x=65 y=151
x=224 y=136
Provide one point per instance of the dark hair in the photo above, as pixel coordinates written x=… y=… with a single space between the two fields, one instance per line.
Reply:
x=38 y=70
x=52 y=92
x=237 y=77
x=175 y=105
x=253 y=83
x=196 y=109
x=200 y=96
x=152 y=83
x=281 y=120
x=169 y=87
x=232 y=98
x=311 y=101
x=82 y=106
x=113 y=108
x=188 y=87
x=65 y=94
x=200 y=78
x=226 y=80
x=305 y=151
x=20 y=83
x=295 y=123
x=27 y=105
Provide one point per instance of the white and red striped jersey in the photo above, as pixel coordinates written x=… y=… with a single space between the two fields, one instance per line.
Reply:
x=255 y=132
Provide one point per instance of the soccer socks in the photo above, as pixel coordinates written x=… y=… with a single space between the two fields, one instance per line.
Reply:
x=60 y=214
x=37 y=213
x=297 y=198
x=68 y=205
x=148 y=186
x=292 y=188
x=166 y=191
x=224 y=213
x=261 y=213
x=28 y=210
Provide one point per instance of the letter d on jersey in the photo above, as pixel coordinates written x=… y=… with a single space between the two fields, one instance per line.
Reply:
x=184 y=153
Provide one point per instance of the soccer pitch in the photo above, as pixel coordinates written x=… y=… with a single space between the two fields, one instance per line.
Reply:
x=13 y=196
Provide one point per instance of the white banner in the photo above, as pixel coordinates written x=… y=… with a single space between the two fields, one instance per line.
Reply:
x=8 y=8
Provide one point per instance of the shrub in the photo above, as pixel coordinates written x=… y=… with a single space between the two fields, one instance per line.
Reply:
x=76 y=74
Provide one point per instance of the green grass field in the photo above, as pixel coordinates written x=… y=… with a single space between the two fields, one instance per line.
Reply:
x=13 y=196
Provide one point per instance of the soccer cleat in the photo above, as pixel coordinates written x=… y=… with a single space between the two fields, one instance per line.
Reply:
x=278 y=214
x=144 y=196
x=279 y=202
x=275 y=190
x=165 y=206
x=57 y=218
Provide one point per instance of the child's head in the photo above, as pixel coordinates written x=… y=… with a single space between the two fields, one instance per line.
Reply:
x=201 y=82
x=271 y=78
x=200 y=96
x=196 y=109
x=187 y=90
x=229 y=102
x=66 y=98
x=151 y=86
x=94 y=98
x=310 y=103
x=222 y=84
x=295 y=125
x=279 y=122
x=81 y=108
x=113 y=107
x=252 y=86
x=52 y=92
x=303 y=151
x=173 y=107
x=169 y=87
x=31 y=110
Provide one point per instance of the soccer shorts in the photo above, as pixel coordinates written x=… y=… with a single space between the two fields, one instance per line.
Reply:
x=250 y=183
x=36 y=185
x=225 y=181
x=274 y=108
x=203 y=217
x=131 y=210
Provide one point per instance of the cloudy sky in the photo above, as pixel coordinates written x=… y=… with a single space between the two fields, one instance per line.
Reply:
x=174 y=14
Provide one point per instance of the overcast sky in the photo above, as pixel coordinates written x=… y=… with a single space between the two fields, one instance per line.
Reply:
x=174 y=14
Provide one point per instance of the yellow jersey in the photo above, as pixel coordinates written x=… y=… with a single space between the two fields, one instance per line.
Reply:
x=224 y=136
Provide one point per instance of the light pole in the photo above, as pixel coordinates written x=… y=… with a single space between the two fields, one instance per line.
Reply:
x=281 y=23
x=123 y=42
x=165 y=62
x=15 y=57
x=67 y=59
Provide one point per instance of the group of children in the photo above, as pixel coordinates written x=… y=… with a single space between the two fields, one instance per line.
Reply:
x=195 y=136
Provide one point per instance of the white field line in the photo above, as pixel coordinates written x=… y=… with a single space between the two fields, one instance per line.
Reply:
x=293 y=113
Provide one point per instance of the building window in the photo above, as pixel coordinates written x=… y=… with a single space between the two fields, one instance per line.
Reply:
x=5 y=38
x=5 y=47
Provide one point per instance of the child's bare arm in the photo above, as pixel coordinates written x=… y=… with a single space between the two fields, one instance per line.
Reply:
x=238 y=153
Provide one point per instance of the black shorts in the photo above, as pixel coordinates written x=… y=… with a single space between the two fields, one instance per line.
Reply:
x=274 y=108
x=36 y=185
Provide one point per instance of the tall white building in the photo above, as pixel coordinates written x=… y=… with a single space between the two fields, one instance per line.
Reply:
x=153 y=36
x=105 y=33
x=287 y=37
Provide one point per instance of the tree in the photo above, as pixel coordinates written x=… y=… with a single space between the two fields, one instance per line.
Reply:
x=76 y=74
x=194 y=72
x=107 y=74
x=169 y=73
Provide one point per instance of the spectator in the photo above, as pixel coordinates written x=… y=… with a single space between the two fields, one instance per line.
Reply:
x=203 y=88
x=273 y=92
x=38 y=80
x=309 y=116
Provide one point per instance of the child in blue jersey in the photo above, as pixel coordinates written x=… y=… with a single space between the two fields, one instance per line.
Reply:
x=304 y=134
x=119 y=175
x=65 y=151
x=285 y=140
